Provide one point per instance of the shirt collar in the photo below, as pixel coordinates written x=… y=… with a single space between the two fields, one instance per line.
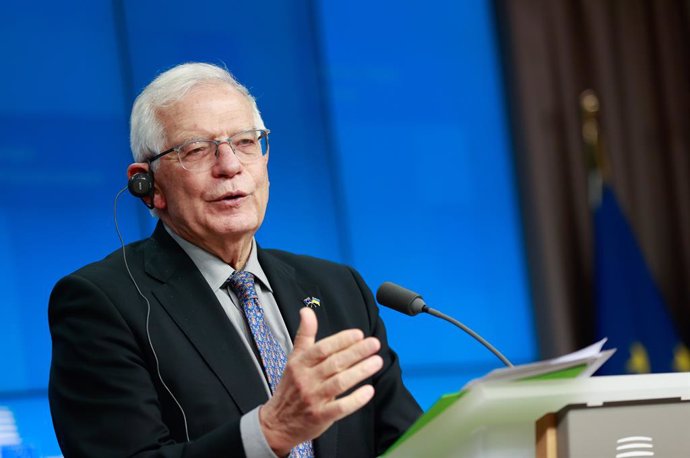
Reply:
x=215 y=271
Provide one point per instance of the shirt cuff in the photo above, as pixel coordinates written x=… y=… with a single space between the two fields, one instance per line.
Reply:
x=253 y=440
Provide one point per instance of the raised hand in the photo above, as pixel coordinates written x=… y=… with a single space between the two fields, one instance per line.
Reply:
x=307 y=400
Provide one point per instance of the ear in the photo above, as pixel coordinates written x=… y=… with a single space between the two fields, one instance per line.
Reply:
x=137 y=167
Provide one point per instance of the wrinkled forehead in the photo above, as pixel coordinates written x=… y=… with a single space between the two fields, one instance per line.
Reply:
x=207 y=108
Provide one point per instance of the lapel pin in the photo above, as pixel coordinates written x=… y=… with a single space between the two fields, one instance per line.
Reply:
x=312 y=302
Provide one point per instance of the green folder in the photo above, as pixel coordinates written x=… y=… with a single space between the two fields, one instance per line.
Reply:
x=446 y=400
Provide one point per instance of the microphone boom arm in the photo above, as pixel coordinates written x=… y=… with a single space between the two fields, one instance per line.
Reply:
x=479 y=338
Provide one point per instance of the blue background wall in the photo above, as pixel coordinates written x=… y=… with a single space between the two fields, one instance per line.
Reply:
x=390 y=152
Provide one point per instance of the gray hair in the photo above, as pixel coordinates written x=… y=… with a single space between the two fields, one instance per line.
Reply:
x=147 y=135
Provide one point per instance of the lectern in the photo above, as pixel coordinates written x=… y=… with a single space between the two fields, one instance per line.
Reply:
x=498 y=419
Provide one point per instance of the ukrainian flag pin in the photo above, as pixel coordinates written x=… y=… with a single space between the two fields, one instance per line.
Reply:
x=312 y=302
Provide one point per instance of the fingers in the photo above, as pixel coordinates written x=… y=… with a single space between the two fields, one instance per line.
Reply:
x=344 y=358
x=332 y=354
x=343 y=369
x=306 y=333
x=342 y=381
x=341 y=408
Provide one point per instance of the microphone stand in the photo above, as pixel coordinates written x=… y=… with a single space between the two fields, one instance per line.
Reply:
x=479 y=338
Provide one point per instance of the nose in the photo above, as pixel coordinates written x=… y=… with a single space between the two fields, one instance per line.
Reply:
x=227 y=162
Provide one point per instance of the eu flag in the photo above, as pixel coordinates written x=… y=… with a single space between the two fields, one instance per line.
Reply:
x=631 y=311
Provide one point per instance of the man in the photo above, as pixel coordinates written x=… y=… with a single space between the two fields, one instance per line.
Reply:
x=176 y=345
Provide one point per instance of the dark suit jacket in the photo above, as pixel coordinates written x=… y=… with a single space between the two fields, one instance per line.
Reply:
x=107 y=400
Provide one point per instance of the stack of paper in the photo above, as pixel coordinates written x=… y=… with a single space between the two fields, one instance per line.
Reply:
x=582 y=363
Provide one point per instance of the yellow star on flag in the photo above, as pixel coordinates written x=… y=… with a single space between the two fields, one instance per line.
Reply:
x=639 y=360
x=681 y=359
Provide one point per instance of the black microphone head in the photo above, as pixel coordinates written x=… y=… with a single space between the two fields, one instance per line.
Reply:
x=401 y=299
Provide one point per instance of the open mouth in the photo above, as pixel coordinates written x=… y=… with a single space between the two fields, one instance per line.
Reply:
x=231 y=197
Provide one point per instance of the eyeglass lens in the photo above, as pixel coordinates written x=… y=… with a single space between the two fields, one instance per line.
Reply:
x=247 y=146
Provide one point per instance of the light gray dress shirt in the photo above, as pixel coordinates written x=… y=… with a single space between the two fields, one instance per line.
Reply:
x=216 y=272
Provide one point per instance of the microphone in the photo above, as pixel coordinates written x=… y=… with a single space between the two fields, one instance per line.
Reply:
x=401 y=299
x=410 y=303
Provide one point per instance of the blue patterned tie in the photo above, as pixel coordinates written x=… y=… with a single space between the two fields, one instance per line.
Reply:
x=272 y=355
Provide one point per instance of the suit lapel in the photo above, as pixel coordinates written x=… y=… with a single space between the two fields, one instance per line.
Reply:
x=290 y=292
x=186 y=297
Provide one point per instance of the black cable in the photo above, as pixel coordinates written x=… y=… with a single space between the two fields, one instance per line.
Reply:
x=148 y=314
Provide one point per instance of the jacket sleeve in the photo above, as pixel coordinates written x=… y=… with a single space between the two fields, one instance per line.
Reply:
x=395 y=408
x=103 y=394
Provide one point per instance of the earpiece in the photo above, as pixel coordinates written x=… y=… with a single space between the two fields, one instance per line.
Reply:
x=141 y=185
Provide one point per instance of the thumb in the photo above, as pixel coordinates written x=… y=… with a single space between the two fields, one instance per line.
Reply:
x=306 y=333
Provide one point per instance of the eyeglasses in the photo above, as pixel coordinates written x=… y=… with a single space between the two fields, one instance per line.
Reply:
x=200 y=155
